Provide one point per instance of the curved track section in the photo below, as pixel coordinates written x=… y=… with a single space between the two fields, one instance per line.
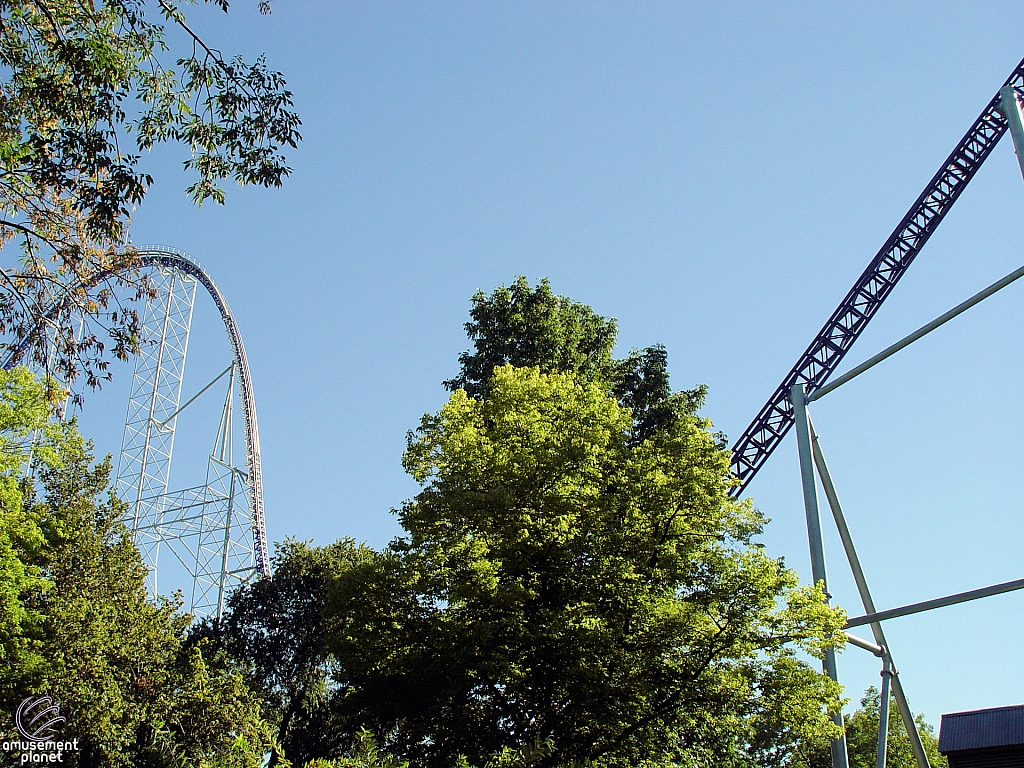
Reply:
x=171 y=258
x=158 y=255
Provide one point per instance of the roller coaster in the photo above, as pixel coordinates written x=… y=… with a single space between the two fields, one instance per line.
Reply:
x=218 y=540
x=222 y=541
x=216 y=530
x=808 y=381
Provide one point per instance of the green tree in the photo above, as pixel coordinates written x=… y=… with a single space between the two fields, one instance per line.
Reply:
x=575 y=588
x=862 y=739
x=85 y=88
x=325 y=678
x=134 y=692
x=574 y=585
x=534 y=327
x=276 y=629
x=528 y=327
x=24 y=422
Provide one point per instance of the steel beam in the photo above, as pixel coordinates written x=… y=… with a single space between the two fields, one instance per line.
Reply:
x=883 y=714
x=939 y=602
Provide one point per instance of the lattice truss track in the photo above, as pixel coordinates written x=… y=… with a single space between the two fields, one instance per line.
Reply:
x=852 y=315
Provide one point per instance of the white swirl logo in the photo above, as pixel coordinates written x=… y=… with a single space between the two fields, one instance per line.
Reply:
x=38 y=718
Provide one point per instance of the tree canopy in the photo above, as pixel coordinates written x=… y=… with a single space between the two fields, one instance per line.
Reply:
x=573 y=586
x=85 y=88
x=528 y=327
x=590 y=592
x=534 y=327
x=77 y=624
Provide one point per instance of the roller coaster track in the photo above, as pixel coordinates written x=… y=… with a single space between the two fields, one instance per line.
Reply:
x=834 y=340
x=169 y=258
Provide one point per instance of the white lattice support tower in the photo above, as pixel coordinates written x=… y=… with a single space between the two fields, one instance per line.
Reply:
x=208 y=528
x=146 y=449
x=216 y=531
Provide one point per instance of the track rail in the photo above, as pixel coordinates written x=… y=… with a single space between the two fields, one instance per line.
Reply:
x=171 y=258
x=834 y=340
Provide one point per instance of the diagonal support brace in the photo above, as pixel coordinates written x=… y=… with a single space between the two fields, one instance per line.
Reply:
x=861 y=581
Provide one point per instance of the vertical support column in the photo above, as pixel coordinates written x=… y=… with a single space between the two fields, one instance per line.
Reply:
x=883 y=712
x=223 y=582
x=1011 y=110
x=798 y=397
x=865 y=596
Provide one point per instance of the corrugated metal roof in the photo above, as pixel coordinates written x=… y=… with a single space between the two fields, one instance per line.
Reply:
x=982 y=728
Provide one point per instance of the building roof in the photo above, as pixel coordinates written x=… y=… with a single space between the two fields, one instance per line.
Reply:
x=982 y=729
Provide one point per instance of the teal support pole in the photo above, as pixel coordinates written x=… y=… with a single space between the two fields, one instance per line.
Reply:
x=798 y=397
x=1011 y=110
x=883 y=714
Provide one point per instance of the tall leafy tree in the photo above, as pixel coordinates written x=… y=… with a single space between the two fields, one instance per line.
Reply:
x=85 y=88
x=134 y=692
x=606 y=596
x=574 y=584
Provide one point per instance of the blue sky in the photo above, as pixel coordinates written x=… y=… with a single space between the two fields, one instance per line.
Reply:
x=714 y=176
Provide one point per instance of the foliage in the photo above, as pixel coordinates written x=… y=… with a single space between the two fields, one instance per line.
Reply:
x=533 y=327
x=80 y=83
x=574 y=585
x=862 y=739
x=275 y=626
x=365 y=755
x=134 y=693
x=24 y=420
x=528 y=327
x=525 y=573
x=592 y=593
